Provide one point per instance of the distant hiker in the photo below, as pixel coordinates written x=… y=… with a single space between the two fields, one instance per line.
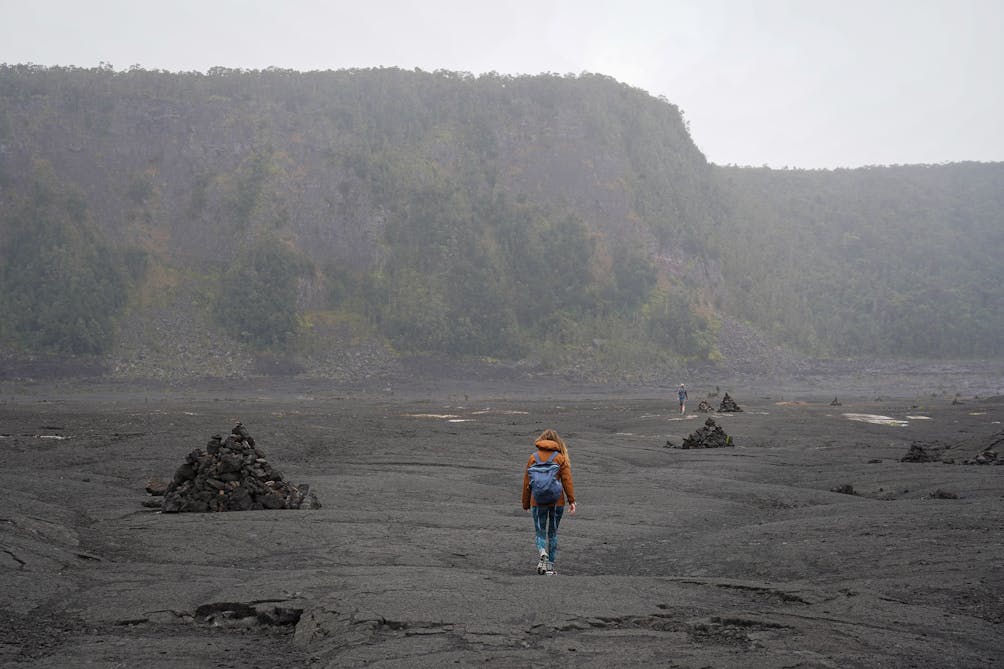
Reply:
x=547 y=483
x=682 y=394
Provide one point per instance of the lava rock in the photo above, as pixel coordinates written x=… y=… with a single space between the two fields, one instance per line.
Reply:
x=921 y=452
x=710 y=435
x=728 y=405
x=232 y=474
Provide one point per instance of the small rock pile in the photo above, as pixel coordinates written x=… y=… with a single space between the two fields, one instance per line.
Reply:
x=711 y=435
x=705 y=407
x=924 y=452
x=728 y=405
x=232 y=474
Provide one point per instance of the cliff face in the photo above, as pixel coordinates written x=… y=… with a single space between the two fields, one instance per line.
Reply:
x=329 y=223
x=196 y=161
x=362 y=176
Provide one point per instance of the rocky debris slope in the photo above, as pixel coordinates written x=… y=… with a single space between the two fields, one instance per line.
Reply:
x=232 y=474
x=710 y=435
x=940 y=452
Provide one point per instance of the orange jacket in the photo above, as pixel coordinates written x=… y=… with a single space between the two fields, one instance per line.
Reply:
x=544 y=449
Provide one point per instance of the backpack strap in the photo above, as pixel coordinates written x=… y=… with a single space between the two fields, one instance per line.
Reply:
x=536 y=457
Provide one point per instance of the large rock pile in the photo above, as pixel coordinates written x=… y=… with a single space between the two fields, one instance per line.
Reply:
x=232 y=474
x=711 y=435
x=728 y=405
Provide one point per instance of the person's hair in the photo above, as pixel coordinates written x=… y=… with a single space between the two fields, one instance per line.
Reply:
x=551 y=435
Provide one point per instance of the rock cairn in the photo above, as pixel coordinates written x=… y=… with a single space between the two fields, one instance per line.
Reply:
x=728 y=405
x=705 y=407
x=924 y=452
x=232 y=474
x=710 y=435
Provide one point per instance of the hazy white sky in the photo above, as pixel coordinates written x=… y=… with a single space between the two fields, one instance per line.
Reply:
x=802 y=83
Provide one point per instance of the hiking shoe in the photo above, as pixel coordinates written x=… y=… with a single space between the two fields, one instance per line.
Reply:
x=552 y=571
x=542 y=563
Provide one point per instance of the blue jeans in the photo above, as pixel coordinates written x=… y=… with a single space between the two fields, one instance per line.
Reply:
x=545 y=524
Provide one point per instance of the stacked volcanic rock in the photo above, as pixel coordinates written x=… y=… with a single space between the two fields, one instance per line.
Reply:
x=232 y=474
x=711 y=435
x=705 y=407
x=728 y=405
x=924 y=452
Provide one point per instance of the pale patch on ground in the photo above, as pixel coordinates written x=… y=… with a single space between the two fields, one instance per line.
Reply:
x=442 y=416
x=875 y=419
x=501 y=411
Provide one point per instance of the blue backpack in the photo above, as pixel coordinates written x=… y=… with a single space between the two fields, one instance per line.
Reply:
x=544 y=482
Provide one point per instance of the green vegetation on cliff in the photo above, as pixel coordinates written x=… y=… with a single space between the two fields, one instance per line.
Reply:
x=62 y=287
x=901 y=261
x=566 y=217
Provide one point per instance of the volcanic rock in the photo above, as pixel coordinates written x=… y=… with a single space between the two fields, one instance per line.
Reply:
x=232 y=474
x=987 y=457
x=990 y=455
x=728 y=405
x=705 y=407
x=711 y=435
x=921 y=452
x=156 y=487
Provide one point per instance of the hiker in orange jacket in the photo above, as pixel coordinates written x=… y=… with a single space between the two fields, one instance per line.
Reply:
x=546 y=517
